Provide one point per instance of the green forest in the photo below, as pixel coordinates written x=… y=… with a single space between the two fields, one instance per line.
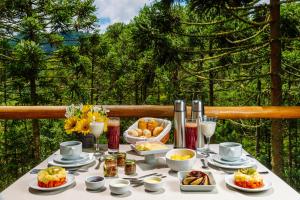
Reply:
x=224 y=53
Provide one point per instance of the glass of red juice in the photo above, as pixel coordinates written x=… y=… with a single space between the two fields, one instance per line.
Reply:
x=191 y=134
x=113 y=134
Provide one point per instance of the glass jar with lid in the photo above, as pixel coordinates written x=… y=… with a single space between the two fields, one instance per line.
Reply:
x=121 y=157
x=110 y=167
x=130 y=167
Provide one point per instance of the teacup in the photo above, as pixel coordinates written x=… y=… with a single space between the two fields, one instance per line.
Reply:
x=230 y=151
x=70 y=150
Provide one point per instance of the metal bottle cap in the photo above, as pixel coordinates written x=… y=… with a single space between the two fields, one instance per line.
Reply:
x=197 y=106
x=179 y=106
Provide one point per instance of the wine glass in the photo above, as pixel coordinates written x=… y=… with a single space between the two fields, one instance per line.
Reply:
x=97 y=130
x=208 y=127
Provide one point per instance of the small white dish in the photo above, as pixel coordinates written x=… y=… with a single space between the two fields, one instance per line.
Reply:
x=153 y=183
x=181 y=165
x=244 y=159
x=229 y=180
x=119 y=186
x=200 y=188
x=94 y=182
x=70 y=180
x=59 y=158
x=90 y=159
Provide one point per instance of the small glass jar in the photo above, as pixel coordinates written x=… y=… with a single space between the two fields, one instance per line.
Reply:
x=110 y=167
x=121 y=157
x=130 y=167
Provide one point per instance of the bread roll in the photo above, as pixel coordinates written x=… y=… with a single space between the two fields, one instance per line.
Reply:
x=133 y=133
x=142 y=124
x=152 y=124
x=147 y=133
x=140 y=132
x=157 y=131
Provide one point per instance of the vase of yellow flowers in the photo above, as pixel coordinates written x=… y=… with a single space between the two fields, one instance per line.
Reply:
x=79 y=119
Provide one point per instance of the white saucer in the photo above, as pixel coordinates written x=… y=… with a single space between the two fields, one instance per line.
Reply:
x=251 y=163
x=244 y=159
x=89 y=160
x=70 y=181
x=229 y=179
x=59 y=159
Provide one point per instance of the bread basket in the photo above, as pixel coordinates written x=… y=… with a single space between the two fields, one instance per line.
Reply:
x=162 y=137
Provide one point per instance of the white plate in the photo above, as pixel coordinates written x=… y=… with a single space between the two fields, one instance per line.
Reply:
x=144 y=153
x=203 y=188
x=59 y=159
x=70 y=181
x=90 y=159
x=243 y=160
x=251 y=163
x=229 y=179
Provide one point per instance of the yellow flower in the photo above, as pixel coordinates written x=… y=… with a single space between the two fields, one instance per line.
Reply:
x=70 y=124
x=85 y=110
x=83 y=126
x=98 y=118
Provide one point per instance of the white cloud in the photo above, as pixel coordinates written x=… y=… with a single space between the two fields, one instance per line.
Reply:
x=118 y=10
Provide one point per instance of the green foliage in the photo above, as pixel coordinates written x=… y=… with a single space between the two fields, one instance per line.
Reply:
x=195 y=50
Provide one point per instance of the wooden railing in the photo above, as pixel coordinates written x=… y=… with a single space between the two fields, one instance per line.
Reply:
x=242 y=112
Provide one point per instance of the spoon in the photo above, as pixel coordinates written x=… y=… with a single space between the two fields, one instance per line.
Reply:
x=100 y=159
x=204 y=163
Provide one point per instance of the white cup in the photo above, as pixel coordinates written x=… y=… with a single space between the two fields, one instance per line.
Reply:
x=230 y=151
x=71 y=150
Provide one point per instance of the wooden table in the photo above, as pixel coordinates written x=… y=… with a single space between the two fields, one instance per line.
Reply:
x=20 y=190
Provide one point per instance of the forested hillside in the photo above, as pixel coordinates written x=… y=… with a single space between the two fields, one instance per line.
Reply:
x=52 y=54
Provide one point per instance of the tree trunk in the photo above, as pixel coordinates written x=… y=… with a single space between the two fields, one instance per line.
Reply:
x=258 y=129
x=92 y=82
x=35 y=122
x=211 y=89
x=276 y=91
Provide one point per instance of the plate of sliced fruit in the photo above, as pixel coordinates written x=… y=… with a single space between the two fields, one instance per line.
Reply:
x=248 y=180
x=196 y=181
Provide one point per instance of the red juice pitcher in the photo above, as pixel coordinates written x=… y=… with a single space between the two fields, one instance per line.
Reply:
x=191 y=134
x=113 y=134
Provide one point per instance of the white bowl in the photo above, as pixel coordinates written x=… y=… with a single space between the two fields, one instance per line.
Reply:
x=181 y=165
x=94 y=182
x=153 y=183
x=119 y=186
x=200 y=188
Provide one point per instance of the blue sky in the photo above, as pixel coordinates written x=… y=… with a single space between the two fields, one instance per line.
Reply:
x=112 y=11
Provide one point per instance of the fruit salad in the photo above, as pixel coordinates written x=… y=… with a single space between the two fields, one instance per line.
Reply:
x=248 y=178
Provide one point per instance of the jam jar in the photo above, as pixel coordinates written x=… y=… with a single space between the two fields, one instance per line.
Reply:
x=130 y=167
x=110 y=167
x=121 y=157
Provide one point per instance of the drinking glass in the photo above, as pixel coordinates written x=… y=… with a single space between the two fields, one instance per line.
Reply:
x=191 y=134
x=113 y=134
x=97 y=130
x=208 y=127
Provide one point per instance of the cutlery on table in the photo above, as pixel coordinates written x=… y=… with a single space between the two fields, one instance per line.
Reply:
x=153 y=174
x=232 y=172
x=100 y=159
x=35 y=171
x=70 y=171
x=204 y=163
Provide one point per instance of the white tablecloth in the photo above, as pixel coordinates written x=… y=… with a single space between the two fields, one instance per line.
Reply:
x=20 y=189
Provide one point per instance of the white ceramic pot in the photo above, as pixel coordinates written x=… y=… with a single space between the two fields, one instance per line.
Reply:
x=94 y=182
x=71 y=150
x=181 y=165
x=119 y=186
